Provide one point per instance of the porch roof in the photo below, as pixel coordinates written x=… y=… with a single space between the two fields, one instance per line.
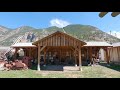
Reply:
x=116 y=44
x=100 y=44
x=23 y=45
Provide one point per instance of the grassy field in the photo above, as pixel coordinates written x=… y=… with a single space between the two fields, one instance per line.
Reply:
x=97 y=71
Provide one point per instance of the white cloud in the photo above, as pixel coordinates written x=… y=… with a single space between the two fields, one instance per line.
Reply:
x=115 y=33
x=59 y=23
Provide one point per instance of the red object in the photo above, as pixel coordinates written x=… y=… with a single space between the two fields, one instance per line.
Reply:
x=27 y=61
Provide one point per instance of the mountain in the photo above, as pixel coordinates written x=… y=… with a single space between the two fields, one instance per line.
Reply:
x=90 y=33
x=3 y=30
x=24 y=34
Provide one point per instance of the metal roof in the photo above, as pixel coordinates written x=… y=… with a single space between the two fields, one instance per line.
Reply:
x=93 y=43
x=116 y=44
x=23 y=45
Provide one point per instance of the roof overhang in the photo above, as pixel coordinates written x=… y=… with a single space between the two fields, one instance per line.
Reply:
x=23 y=45
x=97 y=44
x=116 y=44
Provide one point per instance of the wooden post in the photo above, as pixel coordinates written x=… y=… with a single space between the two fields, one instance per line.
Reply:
x=109 y=54
x=90 y=53
x=86 y=56
x=84 y=53
x=60 y=55
x=64 y=41
x=24 y=51
x=107 y=59
x=70 y=54
x=95 y=53
x=15 y=55
x=80 y=64
x=39 y=57
x=44 y=57
x=118 y=52
x=87 y=53
x=56 y=40
x=75 y=58
x=30 y=52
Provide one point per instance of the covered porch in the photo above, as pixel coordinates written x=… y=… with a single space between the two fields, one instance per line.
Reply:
x=27 y=49
x=59 y=48
x=92 y=51
x=23 y=52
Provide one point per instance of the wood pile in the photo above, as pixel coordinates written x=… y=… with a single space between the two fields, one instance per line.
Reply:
x=27 y=61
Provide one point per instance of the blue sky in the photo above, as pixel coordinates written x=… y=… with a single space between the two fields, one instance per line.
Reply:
x=60 y=19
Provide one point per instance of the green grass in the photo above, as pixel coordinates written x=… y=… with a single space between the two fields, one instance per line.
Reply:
x=97 y=71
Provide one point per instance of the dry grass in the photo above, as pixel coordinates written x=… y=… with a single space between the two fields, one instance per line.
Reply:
x=98 y=71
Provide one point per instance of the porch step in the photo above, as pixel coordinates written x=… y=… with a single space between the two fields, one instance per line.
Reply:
x=70 y=68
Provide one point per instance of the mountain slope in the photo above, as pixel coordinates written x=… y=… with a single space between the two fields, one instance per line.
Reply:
x=89 y=33
x=83 y=32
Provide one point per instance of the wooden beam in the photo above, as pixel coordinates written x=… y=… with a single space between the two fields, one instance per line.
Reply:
x=90 y=53
x=47 y=41
x=15 y=55
x=60 y=55
x=39 y=57
x=95 y=53
x=24 y=51
x=87 y=53
x=30 y=52
x=68 y=41
x=50 y=41
x=73 y=42
x=80 y=63
x=118 y=52
x=114 y=14
x=64 y=40
x=107 y=59
x=60 y=40
x=75 y=57
x=44 y=57
x=70 y=54
x=56 y=40
x=109 y=54
x=72 y=48
x=42 y=48
x=102 y=14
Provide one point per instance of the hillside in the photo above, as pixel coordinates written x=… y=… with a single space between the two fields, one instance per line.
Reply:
x=83 y=32
x=90 y=33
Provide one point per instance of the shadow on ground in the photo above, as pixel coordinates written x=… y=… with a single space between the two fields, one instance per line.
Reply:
x=49 y=67
x=111 y=66
x=34 y=67
x=57 y=68
x=52 y=68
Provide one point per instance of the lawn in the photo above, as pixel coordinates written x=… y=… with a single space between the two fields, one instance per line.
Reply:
x=97 y=71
